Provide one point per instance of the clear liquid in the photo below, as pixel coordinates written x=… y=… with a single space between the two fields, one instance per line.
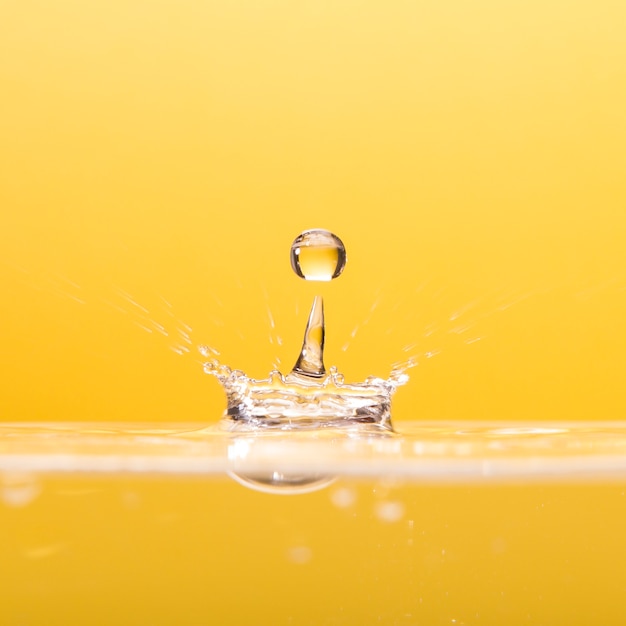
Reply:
x=307 y=397
x=318 y=255
x=310 y=363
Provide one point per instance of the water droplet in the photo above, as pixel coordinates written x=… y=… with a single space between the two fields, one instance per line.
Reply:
x=207 y=351
x=210 y=367
x=318 y=255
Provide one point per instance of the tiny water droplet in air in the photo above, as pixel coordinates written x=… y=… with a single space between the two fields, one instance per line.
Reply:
x=210 y=367
x=318 y=255
x=207 y=351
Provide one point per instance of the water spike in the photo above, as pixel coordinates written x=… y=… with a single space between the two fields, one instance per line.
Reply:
x=310 y=363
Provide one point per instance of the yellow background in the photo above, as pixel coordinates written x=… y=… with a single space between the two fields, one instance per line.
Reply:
x=156 y=161
x=470 y=155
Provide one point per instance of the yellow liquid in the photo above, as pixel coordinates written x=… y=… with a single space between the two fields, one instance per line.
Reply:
x=169 y=551
x=155 y=164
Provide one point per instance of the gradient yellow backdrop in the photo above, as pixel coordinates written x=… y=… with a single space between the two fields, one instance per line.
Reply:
x=471 y=156
x=156 y=161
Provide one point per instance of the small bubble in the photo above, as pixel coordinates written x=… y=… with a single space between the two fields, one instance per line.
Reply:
x=343 y=497
x=390 y=511
x=318 y=255
x=300 y=554
x=18 y=490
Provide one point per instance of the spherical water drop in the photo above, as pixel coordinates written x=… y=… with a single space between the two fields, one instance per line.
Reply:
x=318 y=255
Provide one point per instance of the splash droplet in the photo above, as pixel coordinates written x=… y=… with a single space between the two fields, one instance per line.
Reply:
x=318 y=255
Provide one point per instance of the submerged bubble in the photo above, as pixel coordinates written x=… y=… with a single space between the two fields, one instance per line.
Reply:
x=318 y=255
x=17 y=489
x=343 y=497
x=390 y=511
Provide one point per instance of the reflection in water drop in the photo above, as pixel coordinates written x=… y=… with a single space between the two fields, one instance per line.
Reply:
x=318 y=255
x=18 y=490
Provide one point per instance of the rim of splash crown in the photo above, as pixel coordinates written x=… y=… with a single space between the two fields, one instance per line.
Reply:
x=297 y=402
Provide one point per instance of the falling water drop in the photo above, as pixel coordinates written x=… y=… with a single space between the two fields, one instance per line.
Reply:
x=318 y=255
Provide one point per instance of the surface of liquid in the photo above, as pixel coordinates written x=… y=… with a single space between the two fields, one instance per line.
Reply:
x=480 y=452
x=456 y=523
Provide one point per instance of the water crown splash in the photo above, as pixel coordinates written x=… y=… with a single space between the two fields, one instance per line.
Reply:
x=308 y=397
